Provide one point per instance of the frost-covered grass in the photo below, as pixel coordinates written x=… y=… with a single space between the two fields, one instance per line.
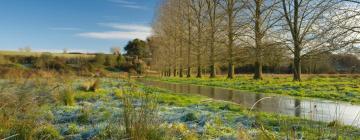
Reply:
x=61 y=108
x=332 y=87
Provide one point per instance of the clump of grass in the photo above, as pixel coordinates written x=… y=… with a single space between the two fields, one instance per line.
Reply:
x=181 y=131
x=95 y=85
x=84 y=116
x=68 y=97
x=140 y=119
x=91 y=85
x=46 y=132
x=73 y=129
x=118 y=94
x=243 y=134
x=189 y=117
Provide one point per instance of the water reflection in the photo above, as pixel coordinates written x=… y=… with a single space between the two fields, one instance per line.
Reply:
x=297 y=107
x=309 y=108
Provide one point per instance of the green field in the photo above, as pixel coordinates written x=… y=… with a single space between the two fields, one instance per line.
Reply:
x=88 y=108
x=333 y=87
x=17 y=53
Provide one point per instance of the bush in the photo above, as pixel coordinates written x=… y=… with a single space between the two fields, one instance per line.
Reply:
x=100 y=59
x=110 y=60
x=46 y=132
x=4 y=60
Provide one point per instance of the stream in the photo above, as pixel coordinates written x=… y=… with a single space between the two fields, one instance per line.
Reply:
x=309 y=108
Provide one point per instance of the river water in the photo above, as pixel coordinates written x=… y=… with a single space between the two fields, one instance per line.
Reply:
x=314 y=109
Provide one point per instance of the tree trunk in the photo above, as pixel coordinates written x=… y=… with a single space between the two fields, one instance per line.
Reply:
x=258 y=41
x=175 y=72
x=181 y=60
x=230 y=36
x=230 y=59
x=297 y=64
x=212 y=62
x=198 y=66
x=212 y=16
x=198 y=72
x=230 y=71
x=169 y=72
x=212 y=71
x=181 y=71
x=188 y=73
x=258 y=70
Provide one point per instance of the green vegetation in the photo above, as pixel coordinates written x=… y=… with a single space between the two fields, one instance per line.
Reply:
x=118 y=109
x=68 y=97
x=18 y=53
x=332 y=87
x=46 y=64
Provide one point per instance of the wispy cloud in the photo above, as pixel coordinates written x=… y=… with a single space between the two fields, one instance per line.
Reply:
x=128 y=4
x=134 y=27
x=64 y=28
x=122 y=1
x=134 y=7
x=120 y=35
x=122 y=32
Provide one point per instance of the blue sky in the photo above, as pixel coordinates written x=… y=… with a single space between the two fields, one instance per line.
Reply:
x=78 y=25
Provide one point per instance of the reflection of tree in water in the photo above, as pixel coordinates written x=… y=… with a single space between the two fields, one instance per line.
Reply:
x=199 y=90
x=173 y=87
x=212 y=92
x=181 y=88
x=230 y=95
x=297 y=107
x=188 y=88
x=257 y=98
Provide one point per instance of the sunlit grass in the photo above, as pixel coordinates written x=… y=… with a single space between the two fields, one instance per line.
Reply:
x=338 y=87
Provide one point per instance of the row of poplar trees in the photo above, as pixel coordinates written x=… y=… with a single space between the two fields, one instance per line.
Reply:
x=198 y=34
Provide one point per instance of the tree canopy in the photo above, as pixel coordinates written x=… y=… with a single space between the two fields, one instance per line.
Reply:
x=137 y=48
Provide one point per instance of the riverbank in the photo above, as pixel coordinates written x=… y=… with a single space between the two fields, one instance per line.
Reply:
x=338 y=88
x=88 y=108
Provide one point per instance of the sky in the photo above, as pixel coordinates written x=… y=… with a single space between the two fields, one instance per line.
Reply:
x=77 y=25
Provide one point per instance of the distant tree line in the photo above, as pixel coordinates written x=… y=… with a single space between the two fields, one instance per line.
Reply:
x=134 y=60
x=238 y=36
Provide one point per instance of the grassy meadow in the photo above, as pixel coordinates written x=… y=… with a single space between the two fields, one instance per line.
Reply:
x=109 y=108
x=180 y=70
x=55 y=96
x=37 y=54
x=332 y=87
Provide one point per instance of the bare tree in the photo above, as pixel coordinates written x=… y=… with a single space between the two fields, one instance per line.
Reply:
x=115 y=50
x=198 y=7
x=189 y=36
x=311 y=29
x=231 y=11
x=263 y=18
x=213 y=16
